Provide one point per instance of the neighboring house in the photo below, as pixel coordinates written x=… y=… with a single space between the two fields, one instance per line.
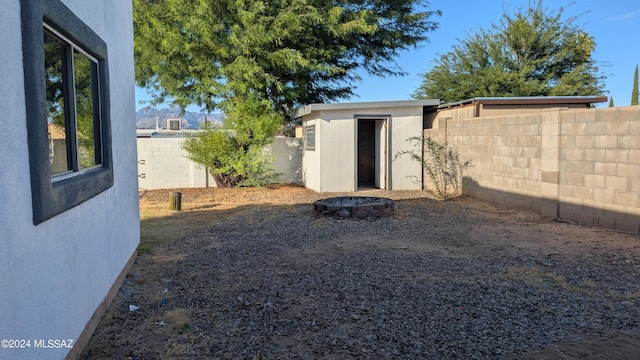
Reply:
x=163 y=164
x=352 y=146
x=492 y=106
x=70 y=220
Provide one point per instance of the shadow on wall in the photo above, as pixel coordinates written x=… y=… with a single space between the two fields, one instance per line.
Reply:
x=554 y=208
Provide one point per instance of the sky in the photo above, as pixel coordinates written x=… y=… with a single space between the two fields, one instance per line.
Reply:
x=615 y=25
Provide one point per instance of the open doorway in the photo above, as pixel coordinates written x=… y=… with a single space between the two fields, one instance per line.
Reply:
x=372 y=154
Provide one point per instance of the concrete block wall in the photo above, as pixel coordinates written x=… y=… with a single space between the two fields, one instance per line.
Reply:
x=600 y=161
x=579 y=165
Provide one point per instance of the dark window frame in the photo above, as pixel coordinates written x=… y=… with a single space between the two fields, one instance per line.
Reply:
x=54 y=195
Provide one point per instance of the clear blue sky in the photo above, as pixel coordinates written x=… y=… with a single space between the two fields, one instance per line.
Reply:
x=615 y=25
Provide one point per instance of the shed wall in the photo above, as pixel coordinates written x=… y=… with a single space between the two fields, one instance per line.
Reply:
x=332 y=166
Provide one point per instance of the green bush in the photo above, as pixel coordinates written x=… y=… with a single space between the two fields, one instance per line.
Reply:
x=234 y=152
x=442 y=165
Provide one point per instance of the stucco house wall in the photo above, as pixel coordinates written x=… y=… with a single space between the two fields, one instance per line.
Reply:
x=332 y=166
x=59 y=275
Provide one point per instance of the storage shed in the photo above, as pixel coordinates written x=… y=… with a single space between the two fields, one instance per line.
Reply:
x=351 y=146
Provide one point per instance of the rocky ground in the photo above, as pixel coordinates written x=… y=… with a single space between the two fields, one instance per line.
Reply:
x=261 y=278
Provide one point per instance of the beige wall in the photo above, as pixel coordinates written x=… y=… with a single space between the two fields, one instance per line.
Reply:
x=579 y=165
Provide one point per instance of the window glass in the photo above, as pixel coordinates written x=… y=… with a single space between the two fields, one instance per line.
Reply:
x=310 y=137
x=86 y=116
x=72 y=112
x=54 y=72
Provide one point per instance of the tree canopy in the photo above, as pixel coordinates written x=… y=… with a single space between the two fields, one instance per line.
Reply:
x=289 y=52
x=533 y=51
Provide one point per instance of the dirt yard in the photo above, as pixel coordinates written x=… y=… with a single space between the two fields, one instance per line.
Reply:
x=252 y=274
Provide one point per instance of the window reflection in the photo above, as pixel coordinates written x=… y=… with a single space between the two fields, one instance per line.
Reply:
x=84 y=70
x=72 y=106
x=54 y=71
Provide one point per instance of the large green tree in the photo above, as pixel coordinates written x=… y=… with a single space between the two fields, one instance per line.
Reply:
x=532 y=51
x=288 y=52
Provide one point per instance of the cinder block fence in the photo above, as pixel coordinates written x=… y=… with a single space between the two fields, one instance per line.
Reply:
x=579 y=165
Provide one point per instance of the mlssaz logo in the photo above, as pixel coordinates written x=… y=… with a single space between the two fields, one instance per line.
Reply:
x=53 y=343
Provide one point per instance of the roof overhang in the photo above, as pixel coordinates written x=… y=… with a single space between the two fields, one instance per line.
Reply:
x=308 y=109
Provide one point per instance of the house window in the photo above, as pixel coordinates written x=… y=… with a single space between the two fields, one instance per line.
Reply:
x=67 y=104
x=310 y=138
x=71 y=80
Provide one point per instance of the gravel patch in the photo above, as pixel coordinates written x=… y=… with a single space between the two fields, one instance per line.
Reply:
x=437 y=280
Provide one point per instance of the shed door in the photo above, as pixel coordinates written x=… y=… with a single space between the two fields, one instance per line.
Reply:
x=366 y=152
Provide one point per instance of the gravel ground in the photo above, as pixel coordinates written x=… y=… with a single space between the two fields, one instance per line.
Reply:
x=460 y=279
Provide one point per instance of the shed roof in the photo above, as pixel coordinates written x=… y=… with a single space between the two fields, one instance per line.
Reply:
x=308 y=109
x=148 y=133
x=528 y=100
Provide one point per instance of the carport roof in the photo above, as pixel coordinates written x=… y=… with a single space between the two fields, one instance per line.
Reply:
x=308 y=109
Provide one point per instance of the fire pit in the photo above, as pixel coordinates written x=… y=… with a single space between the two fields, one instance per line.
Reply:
x=353 y=206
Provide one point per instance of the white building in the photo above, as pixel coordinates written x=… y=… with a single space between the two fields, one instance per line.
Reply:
x=68 y=233
x=352 y=146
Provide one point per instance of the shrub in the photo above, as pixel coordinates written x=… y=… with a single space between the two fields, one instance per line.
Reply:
x=442 y=165
x=234 y=152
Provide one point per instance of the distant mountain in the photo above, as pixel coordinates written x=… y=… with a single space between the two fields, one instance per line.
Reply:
x=146 y=118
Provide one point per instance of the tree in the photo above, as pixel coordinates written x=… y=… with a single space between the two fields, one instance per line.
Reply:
x=611 y=102
x=531 y=52
x=288 y=52
x=234 y=152
x=634 y=92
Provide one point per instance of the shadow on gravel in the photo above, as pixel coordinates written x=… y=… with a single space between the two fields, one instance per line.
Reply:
x=437 y=280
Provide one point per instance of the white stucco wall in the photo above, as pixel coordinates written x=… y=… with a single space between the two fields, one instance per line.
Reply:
x=287 y=159
x=311 y=158
x=55 y=275
x=332 y=166
x=405 y=173
x=163 y=164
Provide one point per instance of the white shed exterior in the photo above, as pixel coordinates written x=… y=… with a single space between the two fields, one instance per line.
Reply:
x=58 y=275
x=341 y=135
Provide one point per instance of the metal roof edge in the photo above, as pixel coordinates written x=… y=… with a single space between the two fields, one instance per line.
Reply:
x=530 y=99
x=308 y=109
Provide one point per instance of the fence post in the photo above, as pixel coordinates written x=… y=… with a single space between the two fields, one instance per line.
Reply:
x=175 y=201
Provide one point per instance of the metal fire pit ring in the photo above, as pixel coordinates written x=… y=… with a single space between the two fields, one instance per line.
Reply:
x=361 y=207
